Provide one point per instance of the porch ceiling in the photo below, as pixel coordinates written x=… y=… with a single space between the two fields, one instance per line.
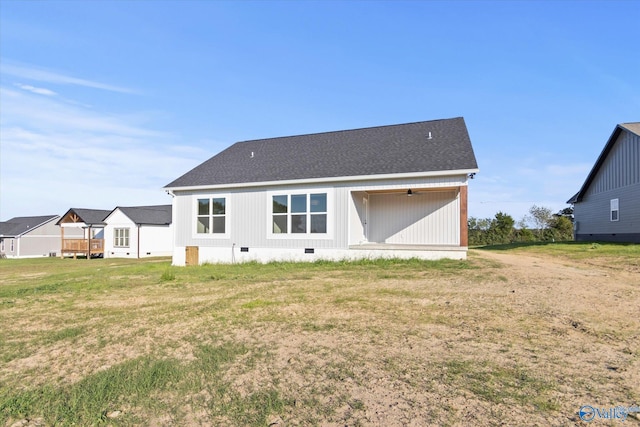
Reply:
x=414 y=190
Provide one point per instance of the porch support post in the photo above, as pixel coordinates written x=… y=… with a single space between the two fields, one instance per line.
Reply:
x=464 y=225
x=61 y=242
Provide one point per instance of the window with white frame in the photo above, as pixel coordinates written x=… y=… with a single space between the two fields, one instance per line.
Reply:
x=212 y=215
x=121 y=238
x=615 y=209
x=303 y=213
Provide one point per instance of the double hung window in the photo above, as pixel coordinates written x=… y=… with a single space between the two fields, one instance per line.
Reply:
x=212 y=214
x=299 y=213
x=615 y=209
x=121 y=237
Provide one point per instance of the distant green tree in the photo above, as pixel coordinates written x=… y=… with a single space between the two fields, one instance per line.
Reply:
x=524 y=235
x=478 y=228
x=501 y=229
x=566 y=212
x=541 y=217
x=561 y=228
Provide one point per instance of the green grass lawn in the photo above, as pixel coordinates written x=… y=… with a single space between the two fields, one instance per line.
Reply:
x=139 y=342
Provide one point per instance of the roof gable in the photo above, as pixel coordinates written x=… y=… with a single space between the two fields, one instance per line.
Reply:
x=87 y=216
x=146 y=215
x=634 y=128
x=438 y=145
x=21 y=225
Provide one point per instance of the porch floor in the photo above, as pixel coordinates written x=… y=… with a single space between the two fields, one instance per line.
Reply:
x=397 y=247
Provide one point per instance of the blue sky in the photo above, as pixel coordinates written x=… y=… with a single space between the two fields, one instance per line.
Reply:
x=102 y=103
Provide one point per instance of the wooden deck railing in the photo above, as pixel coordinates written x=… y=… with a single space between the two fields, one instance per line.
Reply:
x=82 y=246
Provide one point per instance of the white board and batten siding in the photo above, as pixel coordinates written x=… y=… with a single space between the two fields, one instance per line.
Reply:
x=144 y=240
x=617 y=179
x=393 y=218
x=398 y=219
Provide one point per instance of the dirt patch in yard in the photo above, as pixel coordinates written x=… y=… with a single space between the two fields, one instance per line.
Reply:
x=528 y=342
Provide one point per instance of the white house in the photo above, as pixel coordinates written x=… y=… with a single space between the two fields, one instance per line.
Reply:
x=607 y=207
x=138 y=232
x=388 y=191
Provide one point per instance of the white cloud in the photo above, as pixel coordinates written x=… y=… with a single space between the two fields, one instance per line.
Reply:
x=57 y=155
x=37 y=90
x=40 y=75
x=52 y=114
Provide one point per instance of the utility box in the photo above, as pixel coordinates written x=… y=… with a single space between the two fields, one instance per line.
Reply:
x=191 y=255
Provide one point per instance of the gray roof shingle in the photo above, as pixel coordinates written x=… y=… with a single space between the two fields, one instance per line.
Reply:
x=88 y=216
x=20 y=225
x=148 y=215
x=437 y=145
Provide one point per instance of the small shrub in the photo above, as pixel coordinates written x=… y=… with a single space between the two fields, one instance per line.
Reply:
x=168 y=275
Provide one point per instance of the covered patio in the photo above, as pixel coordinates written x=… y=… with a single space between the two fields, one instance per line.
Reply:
x=414 y=219
x=86 y=228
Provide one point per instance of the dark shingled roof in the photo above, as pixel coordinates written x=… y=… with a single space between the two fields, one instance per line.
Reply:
x=633 y=127
x=437 y=145
x=20 y=225
x=148 y=215
x=88 y=216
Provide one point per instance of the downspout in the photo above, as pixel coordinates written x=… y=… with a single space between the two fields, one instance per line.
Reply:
x=139 y=241
x=172 y=227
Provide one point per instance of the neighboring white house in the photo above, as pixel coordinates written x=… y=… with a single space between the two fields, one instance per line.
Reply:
x=138 y=232
x=388 y=191
x=30 y=236
x=607 y=207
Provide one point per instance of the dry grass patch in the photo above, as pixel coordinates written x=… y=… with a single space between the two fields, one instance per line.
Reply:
x=505 y=336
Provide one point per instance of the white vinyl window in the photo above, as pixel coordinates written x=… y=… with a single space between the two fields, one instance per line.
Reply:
x=299 y=214
x=121 y=238
x=212 y=216
x=615 y=214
